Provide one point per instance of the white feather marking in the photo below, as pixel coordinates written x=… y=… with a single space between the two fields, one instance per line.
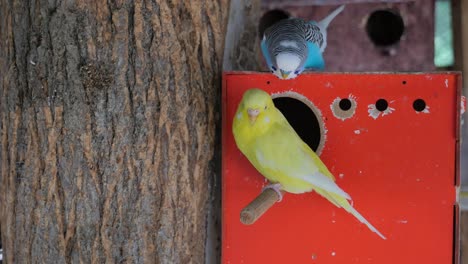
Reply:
x=265 y=162
x=259 y=156
x=288 y=43
x=288 y=61
x=323 y=182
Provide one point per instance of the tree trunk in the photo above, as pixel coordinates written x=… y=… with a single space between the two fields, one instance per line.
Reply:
x=108 y=113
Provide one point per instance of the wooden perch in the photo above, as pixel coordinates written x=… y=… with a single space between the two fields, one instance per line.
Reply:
x=258 y=206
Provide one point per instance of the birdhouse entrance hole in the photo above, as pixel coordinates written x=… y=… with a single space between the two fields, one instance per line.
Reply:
x=269 y=19
x=385 y=27
x=304 y=117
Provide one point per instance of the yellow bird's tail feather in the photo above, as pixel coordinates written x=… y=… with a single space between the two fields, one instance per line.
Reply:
x=341 y=202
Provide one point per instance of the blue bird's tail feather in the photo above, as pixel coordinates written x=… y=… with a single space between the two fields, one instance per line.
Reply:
x=326 y=21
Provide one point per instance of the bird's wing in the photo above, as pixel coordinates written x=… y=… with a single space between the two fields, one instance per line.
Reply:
x=283 y=122
x=314 y=34
x=265 y=52
x=314 y=59
x=317 y=31
x=281 y=151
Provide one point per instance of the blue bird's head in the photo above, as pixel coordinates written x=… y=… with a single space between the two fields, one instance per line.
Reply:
x=288 y=66
x=285 y=59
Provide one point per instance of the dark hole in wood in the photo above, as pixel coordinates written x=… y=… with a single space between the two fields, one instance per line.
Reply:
x=419 y=105
x=381 y=105
x=345 y=104
x=302 y=119
x=385 y=27
x=270 y=18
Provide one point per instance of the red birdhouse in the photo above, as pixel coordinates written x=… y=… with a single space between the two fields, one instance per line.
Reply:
x=391 y=141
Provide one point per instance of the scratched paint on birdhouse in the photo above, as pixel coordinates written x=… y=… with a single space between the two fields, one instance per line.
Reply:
x=344 y=108
x=380 y=108
x=384 y=155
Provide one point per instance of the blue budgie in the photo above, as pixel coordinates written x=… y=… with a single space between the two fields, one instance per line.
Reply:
x=293 y=45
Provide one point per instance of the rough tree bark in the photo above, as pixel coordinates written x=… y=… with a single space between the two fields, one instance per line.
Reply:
x=108 y=113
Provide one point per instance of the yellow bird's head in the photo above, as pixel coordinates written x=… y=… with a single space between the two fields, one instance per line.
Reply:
x=256 y=104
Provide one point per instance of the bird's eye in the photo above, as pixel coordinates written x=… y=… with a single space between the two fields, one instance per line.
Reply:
x=296 y=72
x=266 y=107
x=273 y=68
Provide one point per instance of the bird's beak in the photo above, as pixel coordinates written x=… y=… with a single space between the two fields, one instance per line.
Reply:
x=253 y=113
x=284 y=74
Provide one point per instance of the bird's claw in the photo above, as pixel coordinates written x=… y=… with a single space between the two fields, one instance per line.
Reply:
x=275 y=187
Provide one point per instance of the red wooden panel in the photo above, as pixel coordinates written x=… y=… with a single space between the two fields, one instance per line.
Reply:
x=399 y=169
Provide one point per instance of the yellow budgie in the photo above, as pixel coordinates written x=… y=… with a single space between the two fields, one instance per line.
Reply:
x=269 y=142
